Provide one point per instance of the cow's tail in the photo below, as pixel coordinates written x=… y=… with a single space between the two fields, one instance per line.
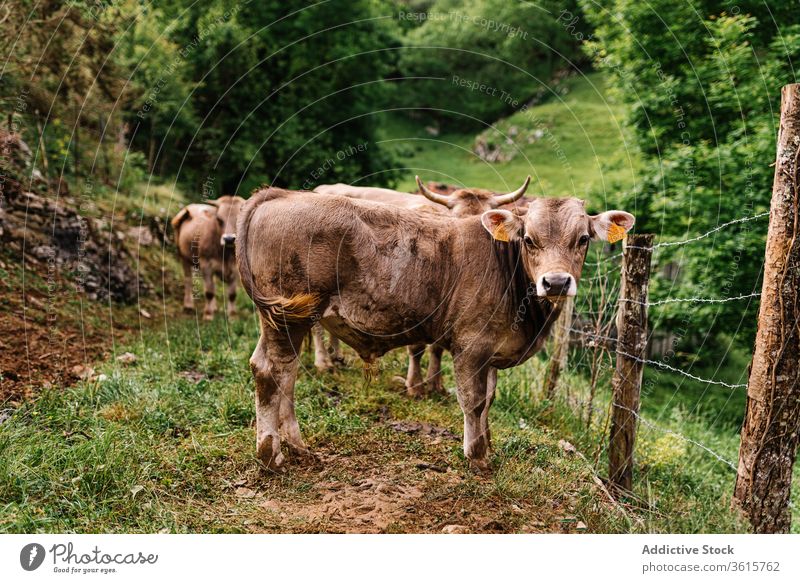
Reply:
x=177 y=221
x=277 y=311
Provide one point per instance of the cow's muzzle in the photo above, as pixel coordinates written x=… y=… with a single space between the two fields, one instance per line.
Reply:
x=555 y=284
x=228 y=240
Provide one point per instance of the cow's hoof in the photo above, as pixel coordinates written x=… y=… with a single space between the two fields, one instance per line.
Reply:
x=302 y=453
x=480 y=466
x=188 y=309
x=324 y=366
x=416 y=391
x=436 y=387
x=269 y=452
x=208 y=317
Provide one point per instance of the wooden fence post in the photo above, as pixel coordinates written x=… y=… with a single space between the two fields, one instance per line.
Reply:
x=631 y=345
x=558 y=360
x=772 y=418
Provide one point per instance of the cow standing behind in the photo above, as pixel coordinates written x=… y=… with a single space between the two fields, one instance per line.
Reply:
x=205 y=235
x=380 y=277
x=322 y=359
x=446 y=199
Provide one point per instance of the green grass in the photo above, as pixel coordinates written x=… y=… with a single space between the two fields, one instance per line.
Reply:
x=151 y=448
x=583 y=150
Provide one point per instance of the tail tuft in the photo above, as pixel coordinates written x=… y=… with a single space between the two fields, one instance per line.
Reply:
x=279 y=310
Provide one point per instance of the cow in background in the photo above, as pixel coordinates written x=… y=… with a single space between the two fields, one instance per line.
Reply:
x=205 y=235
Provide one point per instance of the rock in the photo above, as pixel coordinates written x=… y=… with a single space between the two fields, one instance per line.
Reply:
x=567 y=447
x=82 y=371
x=245 y=493
x=127 y=358
x=141 y=235
x=455 y=529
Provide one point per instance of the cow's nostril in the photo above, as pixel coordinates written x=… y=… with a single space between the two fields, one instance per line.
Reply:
x=545 y=284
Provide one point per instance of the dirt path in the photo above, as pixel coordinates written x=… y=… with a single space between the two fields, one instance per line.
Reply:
x=378 y=490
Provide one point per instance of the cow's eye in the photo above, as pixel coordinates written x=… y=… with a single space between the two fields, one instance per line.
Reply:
x=584 y=240
x=528 y=242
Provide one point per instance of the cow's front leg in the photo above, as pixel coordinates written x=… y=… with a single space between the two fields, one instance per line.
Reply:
x=322 y=359
x=474 y=399
x=491 y=387
x=211 y=299
x=188 y=281
x=414 y=383
x=434 y=378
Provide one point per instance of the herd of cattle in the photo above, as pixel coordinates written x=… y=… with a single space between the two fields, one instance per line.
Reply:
x=467 y=270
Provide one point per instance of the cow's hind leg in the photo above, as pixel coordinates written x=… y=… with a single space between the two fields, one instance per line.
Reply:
x=414 y=383
x=230 y=294
x=274 y=364
x=434 y=378
x=474 y=398
x=188 y=280
x=322 y=359
x=211 y=297
x=336 y=350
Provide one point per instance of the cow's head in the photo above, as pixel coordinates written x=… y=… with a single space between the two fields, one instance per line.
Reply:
x=553 y=237
x=467 y=202
x=226 y=215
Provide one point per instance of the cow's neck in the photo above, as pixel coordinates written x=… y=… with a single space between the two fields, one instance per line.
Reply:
x=531 y=318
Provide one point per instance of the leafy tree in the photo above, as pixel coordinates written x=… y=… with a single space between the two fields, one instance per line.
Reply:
x=703 y=90
x=485 y=58
x=285 y=92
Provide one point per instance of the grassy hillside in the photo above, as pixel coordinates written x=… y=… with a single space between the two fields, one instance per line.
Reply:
x=581 y=150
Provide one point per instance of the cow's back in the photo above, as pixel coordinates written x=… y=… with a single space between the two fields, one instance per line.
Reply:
x=372 y=266
x=196 y=231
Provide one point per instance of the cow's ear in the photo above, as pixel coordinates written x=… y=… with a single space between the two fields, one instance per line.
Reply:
x=502 y=225
x=612 y=226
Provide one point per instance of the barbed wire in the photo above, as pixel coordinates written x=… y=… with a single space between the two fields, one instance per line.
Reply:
x=657 y=363
x=692 y=300
x=684 y=241
x=678 y=435
x=683 y=372
x=706 y=234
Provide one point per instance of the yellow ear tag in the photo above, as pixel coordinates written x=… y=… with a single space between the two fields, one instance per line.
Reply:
x=616 y=233
x=500 y=233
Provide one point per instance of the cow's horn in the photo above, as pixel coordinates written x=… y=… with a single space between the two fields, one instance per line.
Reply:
x=502 y=199
x=434 y=196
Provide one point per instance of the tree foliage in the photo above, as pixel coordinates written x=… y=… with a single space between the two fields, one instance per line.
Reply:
x=505 y=52
x=703 y=90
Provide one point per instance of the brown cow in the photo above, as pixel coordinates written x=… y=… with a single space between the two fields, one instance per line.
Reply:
x=457 y=202
x=322 y=359
x=205 y=235
x=485 y=288
x=461 y=202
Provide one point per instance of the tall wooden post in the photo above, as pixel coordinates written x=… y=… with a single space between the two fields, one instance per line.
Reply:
x=558 y=360
x=772 y=418
x=631 y=345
